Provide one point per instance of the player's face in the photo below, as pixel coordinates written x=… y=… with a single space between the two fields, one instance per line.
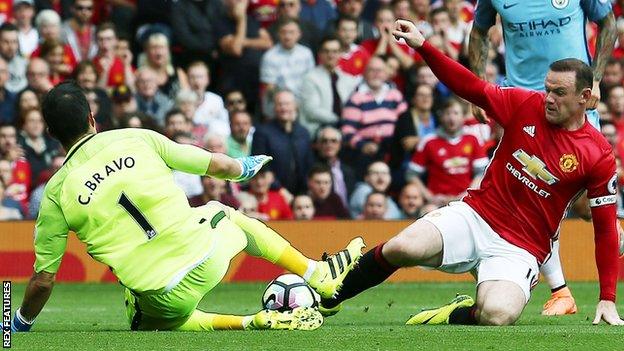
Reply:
x=452 y=119
x=563 y=102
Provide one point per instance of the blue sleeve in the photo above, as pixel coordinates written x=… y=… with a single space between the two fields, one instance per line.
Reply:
x=596 y=10
x=485 y=14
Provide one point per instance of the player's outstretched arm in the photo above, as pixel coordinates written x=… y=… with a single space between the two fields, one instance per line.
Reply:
x=455 y=76
x=237 y=170
x=37 y=293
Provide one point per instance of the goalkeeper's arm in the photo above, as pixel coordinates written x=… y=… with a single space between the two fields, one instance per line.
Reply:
x=37 y=293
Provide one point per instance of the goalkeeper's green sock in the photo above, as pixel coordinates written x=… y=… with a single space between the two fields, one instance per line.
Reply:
x=264 y=242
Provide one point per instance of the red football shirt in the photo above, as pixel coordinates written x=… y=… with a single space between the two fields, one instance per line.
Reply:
x=537 y=170
x=354 y=62
x=275 y=207
x=449 y=163
x=116 y=74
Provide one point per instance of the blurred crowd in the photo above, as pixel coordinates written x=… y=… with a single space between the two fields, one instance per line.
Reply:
x=357 y=124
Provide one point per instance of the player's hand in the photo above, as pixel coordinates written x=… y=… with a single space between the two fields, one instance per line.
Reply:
x=19 y=324
x=607 y=312
x=479 y=114
x=408 y=31
x=250 y=166
x=595 y=96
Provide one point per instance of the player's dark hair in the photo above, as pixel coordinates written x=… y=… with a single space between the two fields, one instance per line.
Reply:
x=584 y=74
x=66 y=112
x=319 y=168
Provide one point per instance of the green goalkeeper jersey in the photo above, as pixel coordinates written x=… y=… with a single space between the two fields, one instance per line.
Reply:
x=116 y=192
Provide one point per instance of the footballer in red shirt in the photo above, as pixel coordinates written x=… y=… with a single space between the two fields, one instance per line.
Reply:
x=501 y=232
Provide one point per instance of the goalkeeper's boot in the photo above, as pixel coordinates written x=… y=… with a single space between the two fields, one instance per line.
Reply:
x=300 y=318
x=441 y=315
x=327 y=309
x=329 y=273
x=560 y=303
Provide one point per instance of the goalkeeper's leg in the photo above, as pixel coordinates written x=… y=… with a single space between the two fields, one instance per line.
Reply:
x=324 y=276
x=303 y=318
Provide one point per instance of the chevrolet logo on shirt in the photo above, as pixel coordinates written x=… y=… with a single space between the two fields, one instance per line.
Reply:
x=534 y=167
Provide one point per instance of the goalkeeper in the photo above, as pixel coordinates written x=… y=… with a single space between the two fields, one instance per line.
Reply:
x=116 y=192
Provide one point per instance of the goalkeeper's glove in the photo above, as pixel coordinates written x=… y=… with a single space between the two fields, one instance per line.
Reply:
x=20 y=324
x=251 y=165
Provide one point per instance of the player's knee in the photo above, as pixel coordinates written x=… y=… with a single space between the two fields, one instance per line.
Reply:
x=402 y=251
x=497 y=314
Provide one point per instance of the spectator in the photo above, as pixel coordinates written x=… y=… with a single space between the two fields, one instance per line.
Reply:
x=28 y=37
x=303 y=208
x=8 y=99
x=17 y=175
x=149 y=99
x=7 y=213
x=288 y=142
x=37 y=194
x=319 y=12
x=39 y=148
x=158 y=57
x=48 y=24
x=123 y=102
x=241 y=44
x=376 y=206
x=411 y=201
x=452 y=160
x=283 y=65
x=52 y=52
x=27 y=100
x=112 y=71
x=249 y=206
x=235 y=102
x=310 y=34
x=210 y=110
x=370 y=114
x=9 y=51
x=192 y=22
x=329 y=141
x=446 y=37
x=412 y=126
x=325 y=88
x=327 y=204
x=11 y=189
x=176 y=122
x=354 y=58
x=214 y=189
x=385 y=44
x=215 y=143
x=38 y=76
x=377 y=179
x=78 y=32
x=352 y=9
x=270 y=202
x=239 y=142
x=85 y=76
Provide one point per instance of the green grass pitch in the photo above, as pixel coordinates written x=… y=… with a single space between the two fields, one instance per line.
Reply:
x=91 y=317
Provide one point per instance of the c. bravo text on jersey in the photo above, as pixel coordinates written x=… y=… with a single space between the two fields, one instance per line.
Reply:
x=97 y=178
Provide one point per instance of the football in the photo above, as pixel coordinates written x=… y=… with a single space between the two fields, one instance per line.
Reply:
x=288 y=291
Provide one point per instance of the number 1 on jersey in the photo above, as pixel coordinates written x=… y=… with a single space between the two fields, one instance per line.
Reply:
x=134 y=212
